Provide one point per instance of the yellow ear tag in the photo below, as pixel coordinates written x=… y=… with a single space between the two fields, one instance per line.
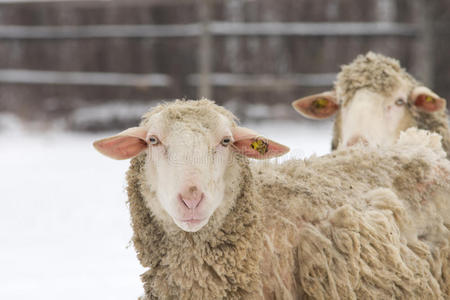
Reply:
x=320 y=103
x=261 y=146
x=429 y=99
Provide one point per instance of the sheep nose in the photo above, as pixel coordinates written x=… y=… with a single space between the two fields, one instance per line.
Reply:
x=357 y=139
x=191 y=197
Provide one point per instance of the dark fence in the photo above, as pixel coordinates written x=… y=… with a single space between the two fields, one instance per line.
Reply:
x=58 y=56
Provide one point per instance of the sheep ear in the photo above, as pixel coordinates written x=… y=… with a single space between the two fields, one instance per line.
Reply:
x=126 y=144
x=251 y=144
x=426 y=100
x=318 y=106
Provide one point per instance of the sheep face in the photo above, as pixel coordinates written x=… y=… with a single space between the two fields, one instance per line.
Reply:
x=375 y=119
x=374 y=99
x=192 y=168
x=186 y=166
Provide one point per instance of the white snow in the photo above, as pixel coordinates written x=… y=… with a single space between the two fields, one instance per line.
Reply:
x=64 y=223
x=117 y=110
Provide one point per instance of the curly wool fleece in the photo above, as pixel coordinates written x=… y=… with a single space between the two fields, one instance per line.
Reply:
x=383 y=75
x=376 y=72
x=356 y=224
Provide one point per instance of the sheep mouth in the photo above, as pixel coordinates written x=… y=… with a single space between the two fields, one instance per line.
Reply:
x=192 y=221
x=192 y=224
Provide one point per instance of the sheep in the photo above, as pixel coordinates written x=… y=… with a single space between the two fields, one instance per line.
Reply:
x=209 y=223
x=375 y=99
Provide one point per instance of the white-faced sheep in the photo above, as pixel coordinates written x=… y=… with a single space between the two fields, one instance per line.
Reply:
x=375 y=99
x=360 y=223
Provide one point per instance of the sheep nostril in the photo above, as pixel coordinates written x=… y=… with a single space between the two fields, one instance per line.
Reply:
x=191 y=201
x=180 y=199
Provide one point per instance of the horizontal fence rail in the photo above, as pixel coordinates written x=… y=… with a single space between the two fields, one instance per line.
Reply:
x=214 y=28
x=84 y=78
x=46 y=1
x=98 y=31
x=162 y=80
x=265 y=81
x=313 y=29
x=100 y=3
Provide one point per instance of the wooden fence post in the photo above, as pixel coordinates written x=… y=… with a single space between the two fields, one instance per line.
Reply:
x=385 y=10
x=424 y=54
x=205 y=50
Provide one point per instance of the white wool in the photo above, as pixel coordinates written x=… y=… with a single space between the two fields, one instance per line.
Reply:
x=414 y=137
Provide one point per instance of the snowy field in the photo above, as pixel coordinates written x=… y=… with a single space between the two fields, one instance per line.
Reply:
x=64 y=223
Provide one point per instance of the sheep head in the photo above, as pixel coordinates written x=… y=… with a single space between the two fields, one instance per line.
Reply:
x=374 y=99
x=192 y=151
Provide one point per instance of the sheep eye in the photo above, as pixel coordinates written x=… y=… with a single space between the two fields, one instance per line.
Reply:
x=153 y=140
x=225 y=141
x=400 y=102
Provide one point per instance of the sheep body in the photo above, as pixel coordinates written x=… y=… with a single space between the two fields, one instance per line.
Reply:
x=365 y=234
x=348 y=225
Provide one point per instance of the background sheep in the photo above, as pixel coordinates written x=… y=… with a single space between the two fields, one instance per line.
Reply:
x=375 y=99
x=343 y=225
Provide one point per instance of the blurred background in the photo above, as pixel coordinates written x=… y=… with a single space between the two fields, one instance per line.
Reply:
x=74 y=71
x=77 y=60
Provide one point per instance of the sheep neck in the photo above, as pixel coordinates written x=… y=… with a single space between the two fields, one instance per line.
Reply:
x=198 y=265
x=434 y=122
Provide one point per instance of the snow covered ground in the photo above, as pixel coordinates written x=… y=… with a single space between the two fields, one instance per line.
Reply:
x=64 y=223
